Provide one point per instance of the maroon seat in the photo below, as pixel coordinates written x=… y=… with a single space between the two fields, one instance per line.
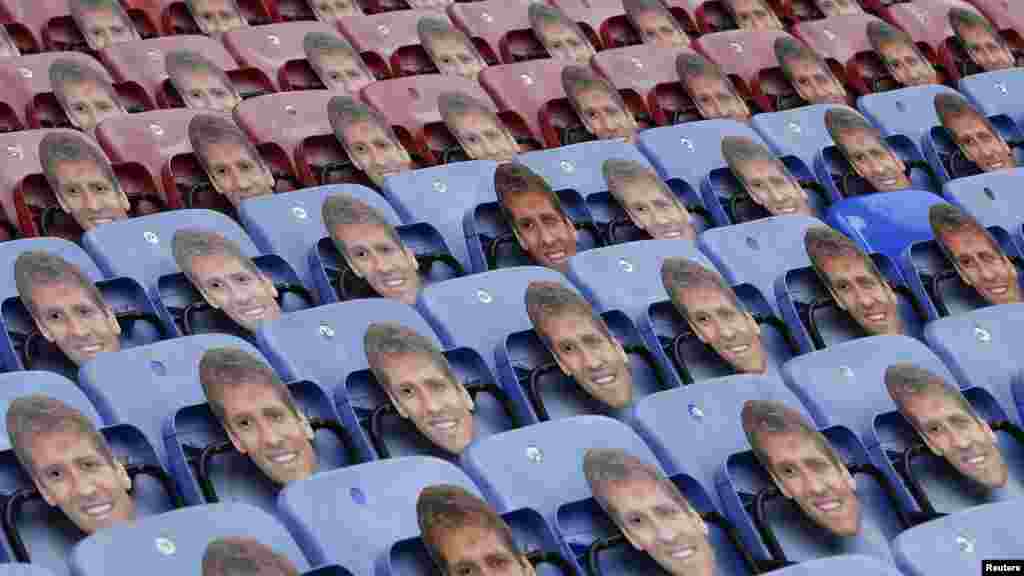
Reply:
x=277 y=51
x=649 y=74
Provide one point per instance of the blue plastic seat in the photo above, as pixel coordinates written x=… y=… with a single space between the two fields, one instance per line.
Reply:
x=145 y=386
x=948 y=160
x=24 y=570
x=69 y=251
x=844 y=565
x=981 y=348
x=885 y=222
x=844 y=384
x=709 y=411
x=14 y=385
x=906 y=112
x=442 y=196
x=993 y=198
x=759 y=252
x=174 y=543
x=290 y=225
x=956 y=544
x=353 y=516
x=799 y=132
x=996 y=92
x=683 y=155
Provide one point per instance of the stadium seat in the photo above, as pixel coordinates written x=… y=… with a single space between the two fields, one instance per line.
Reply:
x=175 y=18
x=980 y=349
x=14 y=385
x=28 y=100
x=843 y=565
x=174 y=543
x=70 y=252
x=749 y=57
x=389 y=42
x=308 y=345
x=170 y=371
x=140 y=248
x=708 y=410
x=991 y=198
x=410 y=104
x=443 y=196
x=834 y=171
x=159 y=141
x=994 y=93
x=24 y=570
x=843 y=41
x=500 y=29
x=579 y=168
x=743 y=480
x=277 y=50
x=44 y=26
x=293 y=130
x=21 y=160
x=948 y=160
x=958 y=543
x=741 y=251
x=709 y=16
x=855 y=392
x=532 y=92
x=514 y=470
x=143 y=62
x=885 y=222
x=291 y=225
x=799 y=132
x=604 y=20
x=927 y=22
x=353 y=516
x=648 y=73
x=1005 y=16
x=906 y=112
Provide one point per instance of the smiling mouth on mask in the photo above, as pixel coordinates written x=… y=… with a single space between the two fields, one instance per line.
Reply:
x=252 y=311
x=98 y=509
x=283 y=458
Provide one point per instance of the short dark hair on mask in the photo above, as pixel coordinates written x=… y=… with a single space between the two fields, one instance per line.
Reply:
x=242 y=556
x=71 y=147
x=80 y=7
x=681 y=274
x=36 y=269
x=541 y=14
x=191 y=5
x=949 y=106
x=577 y=79
x=64 y=71
x=881 y=33
x=634 y=8
x=693 y=65
x=344 y=210
x=36 y=415
x=513 y=179
x=444 y=509
x=384 y=340
x=948 y=220
x=547 y=299
x=906 y=381
x=960 y=18
x=344 y=111
x=620 y=172
x=431 y=28
x=222 y=368
x=788 y=50
x=844 y=120
x=738 y=150
x=190 y=243
x=762 y=417
x=604 y=466
x=181 y=62
x=823 y=243
x=452 y=104
x=207 y=129
x=322 y=42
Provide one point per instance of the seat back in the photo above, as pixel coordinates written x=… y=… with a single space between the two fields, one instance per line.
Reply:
x=21 y=160
x=443 y=196
x=742 y=252
x=174 y=542
x=905 y=112
x=980 y=533
x=23 y=570
x=799 y=132
x=649 y=72
x=290 y=225
x=708 y=410
x=515 y=469
x=991 y=198
x=525 y=89
x=980 y=348
x=28 y=77
x=69 y=251
x=381 y=38
x=14 y=385
x=274 y=48
x=352 y=516
x=844 y=384
x=842 y=565
x=994 y=93
x=494 y=26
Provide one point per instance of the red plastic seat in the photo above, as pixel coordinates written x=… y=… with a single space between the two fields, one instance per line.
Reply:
x=389 y=42
x=42 y=25
x=293 y=129
x=143 y=63
x=1005 y=14
x=843 y=42
x=277 y=50
x=19 y=157
x=173 y=16
x=28 y=100
x=647 y=73
x=685 y=12
x=602 y=20
x=500 y=29
x=707 y=16
x=748 y=57
x=410 y=105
